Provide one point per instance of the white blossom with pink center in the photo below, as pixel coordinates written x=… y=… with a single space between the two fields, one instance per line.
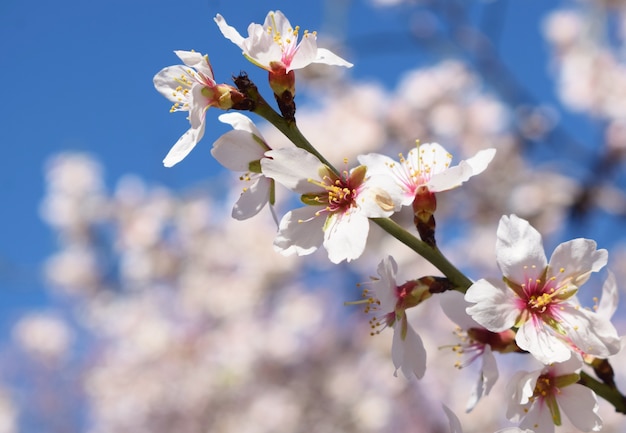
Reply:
x=427 y=166
x=275 y=44
x=539 y=296
x=338 y=205
x=537 y=398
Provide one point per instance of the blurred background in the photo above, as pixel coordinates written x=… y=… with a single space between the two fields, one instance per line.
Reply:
x=131 y=301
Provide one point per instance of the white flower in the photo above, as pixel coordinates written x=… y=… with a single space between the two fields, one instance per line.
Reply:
x=242 y=150
x=539 y=297
x=274 y=45
x=191 y=87
x=389 y=302
x=427 y=166
x=537 y=398
x=338 y=206
x=477 y=342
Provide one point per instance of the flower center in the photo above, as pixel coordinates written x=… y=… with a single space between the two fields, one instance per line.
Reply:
x=339 y=193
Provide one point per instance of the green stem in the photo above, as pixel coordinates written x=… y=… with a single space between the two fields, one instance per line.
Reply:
x=433 y=255
x=610 y=394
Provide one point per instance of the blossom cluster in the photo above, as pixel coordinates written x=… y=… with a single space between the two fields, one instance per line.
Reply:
x=182 y=316
x=535 y=310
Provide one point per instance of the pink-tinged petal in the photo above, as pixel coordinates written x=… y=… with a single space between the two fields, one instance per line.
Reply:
x=253 y=199
x=241 y=123
x=610 y=297
x=486 y=379
x=455 y=176
x=455 y=424
x=575 y=260
x=454 y=306
x=408 y=353
x=294 y=168
x=541 y=343
x=197 y=61
x=235 y=150
x=385 y=287
x=229 y=32
x=183 y=146
x=345 y=236
x=580 y=405
x=327 y=57
x=593 y=334
x=165 y=81
x=299 y=232
x=538 y=419
x=519 y=250
x=494 y=308
x=305 y=54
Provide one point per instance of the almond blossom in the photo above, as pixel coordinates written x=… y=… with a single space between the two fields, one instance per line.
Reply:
x=539 y=296
x=274 y=45
x=427 y=167
x=338 y=205
x=242 y=150
x=191 y=87
x=389 y=301
x=537 y=398
x=476 y=342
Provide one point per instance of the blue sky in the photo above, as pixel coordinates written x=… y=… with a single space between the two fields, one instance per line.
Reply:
x=78 y=76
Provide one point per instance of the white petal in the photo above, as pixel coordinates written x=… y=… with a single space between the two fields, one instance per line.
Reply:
x=299 y=232
x=197 y=61
x=581 y=406
x=588 y=331
x=305 y=54
x=402 y=186
x=408 y=354
x=241 y=122
x=278 y=22
x=329 y=58
x=610 y=297
x=486 y=379
x=541 y=343
x=183 y=146
x=539 y=419
x=379 y=196
x=455 y=424
x=165 y=82
x=385 y=287
x=519 y=390
x=429 y=159
x=519 y=250
x=228 y=31
x=455 y=176
x=345 y=235
x=235 y=150
x=454 y=305
x=577 y=258
x=293 y=168
x=494 y=308
x=253 y=199
x=572 y=365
